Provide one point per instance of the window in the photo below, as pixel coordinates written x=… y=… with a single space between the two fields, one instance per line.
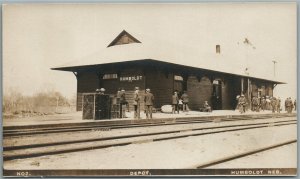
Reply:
x=218 y=49
x=125 y=39
x=110 y=76
x=216 y=82
x=178 y=78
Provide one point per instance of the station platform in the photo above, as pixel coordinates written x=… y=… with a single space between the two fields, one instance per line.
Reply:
x=76 y=117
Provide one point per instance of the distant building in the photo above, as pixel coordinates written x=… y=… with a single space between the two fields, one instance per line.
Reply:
x=124 y=63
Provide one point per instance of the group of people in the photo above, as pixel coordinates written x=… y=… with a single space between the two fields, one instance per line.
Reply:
x=265 y=103
x=148 y=100
x=180 y=103
x=289 y=105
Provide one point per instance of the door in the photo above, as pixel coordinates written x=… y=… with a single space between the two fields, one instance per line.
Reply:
x=217 y=95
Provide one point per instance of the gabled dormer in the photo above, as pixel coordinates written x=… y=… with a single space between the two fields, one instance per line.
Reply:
x=123 y=38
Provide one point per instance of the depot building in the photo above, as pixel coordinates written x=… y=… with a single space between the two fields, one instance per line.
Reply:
x=127 y=62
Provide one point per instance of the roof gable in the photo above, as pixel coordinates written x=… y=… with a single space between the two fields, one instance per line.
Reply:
x=123 y=38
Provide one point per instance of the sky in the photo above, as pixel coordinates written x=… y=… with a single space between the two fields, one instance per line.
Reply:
x=37 y=37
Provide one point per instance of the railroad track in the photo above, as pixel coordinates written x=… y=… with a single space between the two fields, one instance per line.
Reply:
x=51 y=148
x=46 y=129
x=244 y=154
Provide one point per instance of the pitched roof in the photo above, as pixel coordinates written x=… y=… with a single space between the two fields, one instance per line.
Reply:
x=174 y=37
x=180 y=54
x=123 y=38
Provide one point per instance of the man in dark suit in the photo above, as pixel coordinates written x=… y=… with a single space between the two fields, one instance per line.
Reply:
x=149 y=98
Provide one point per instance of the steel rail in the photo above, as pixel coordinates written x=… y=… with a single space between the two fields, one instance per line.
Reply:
x=15 y=155
x=245 y=154
x=17 y=133
x=18 y=147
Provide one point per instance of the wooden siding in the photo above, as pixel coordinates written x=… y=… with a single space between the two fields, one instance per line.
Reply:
x=110 y=85
x=254 y=89
x=161 y=85
x=87 y=82
x=79 y=102
x=199 y=92
x=263 y=90
x=269 y=90
x=178 y=86
x=129 y=86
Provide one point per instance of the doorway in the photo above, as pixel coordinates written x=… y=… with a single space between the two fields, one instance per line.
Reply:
x=217 y=95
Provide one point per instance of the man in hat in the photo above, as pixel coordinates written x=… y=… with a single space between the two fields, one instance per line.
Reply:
x=278 y=104
x=242 y=104
x=100 y=91
x=175 y=101
x=237 y=102
x=136 y=103
x=185 y=101
x=255 y=104
x=123 y=103
x=273 y=104
x=149 y=99
x=289 y=105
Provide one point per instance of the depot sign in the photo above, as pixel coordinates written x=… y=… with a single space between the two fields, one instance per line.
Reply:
x=131 y=78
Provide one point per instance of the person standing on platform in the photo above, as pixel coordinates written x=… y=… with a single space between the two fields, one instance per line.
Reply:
x=273 y=104
x=118 y=104
x=180 y=104
x=118 y=94
x=149 y=99
x=285 y=104
x=242 y=104
x=263 y=103
x=289 y=105
x=175 y=101
x=268 y=103
x=136 y=103
x=278 y=105
x=123 y=104
x=255 y=104
x=237 y=102
x=185 y=101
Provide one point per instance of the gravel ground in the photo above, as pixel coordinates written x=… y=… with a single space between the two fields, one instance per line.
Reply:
x=285 y=157
x=46 y=138
x=188 y=152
